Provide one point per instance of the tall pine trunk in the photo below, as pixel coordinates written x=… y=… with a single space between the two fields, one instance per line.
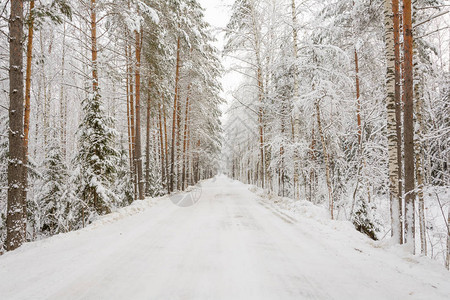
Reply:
x=147 y=145
x=178 y=139
x=15 y=219
x=26 y=121
x=162 y=147
x=188 y=157
x=174 y=119
x=186 y=120
x=138 y=147
x=166 y=149
x=28 y=79
x=133 y=126
x=408 y=125
x=129 y=108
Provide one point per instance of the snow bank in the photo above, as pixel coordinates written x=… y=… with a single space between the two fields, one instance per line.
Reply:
x=317 y=218
x=136 y=207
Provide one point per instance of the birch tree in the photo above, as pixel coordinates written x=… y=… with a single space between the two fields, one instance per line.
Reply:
x=395 y=199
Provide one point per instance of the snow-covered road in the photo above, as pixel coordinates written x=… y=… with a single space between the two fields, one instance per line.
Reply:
x=230 y=245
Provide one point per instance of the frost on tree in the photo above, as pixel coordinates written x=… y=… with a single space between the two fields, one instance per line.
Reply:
x=97 y=160
x=54 y=198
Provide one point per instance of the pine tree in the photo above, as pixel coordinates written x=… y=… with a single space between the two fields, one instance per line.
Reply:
x=15 y=222
x=408 y=127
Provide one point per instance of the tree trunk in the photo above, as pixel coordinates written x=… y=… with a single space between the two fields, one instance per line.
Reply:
x=196 y=169
x=448 y=240
x=312 y=173
x=133 y=125
x=178 y=159
x=260 y=83
x=358 y=100
x=398 y=111
x=166 y=149
x=419 y=131
x=138 y=148
x=28 y=80
x=94 y=51
x=419 y=169
x=327 y=163
x=295 y=121
x=188 y=157
x=162 y=147
x=15 y=219
x=186 y=120
x=129 y=108
x=261 y=129
x=45 y=100
x=63 y=99
x=408 y=119
x=174 y=119
x=391 y=123
x=133 y=131
x=420 y=183
x=147 y=145
x=26 y=127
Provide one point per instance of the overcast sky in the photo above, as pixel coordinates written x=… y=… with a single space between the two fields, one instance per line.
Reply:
x=217 y=13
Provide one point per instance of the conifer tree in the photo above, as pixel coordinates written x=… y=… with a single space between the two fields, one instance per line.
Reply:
x=97 y=157
x=123 y=186
x=15 y=222
x=53 y=204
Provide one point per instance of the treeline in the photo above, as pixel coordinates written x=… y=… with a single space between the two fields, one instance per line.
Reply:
x=109 y=102
x=346 y=103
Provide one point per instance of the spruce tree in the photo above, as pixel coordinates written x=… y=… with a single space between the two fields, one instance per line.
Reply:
x=97 y=159
x=53 y=205
x=123 y=186
x=363 y=219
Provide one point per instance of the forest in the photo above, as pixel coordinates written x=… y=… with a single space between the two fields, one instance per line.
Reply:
x=341 y=103
x=346 y=104
x=120 y=101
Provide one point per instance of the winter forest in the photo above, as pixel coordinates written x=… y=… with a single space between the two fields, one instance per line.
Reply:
x=120 y=102
x=340 y=106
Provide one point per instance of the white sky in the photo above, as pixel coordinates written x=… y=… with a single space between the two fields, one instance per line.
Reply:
x=218 y=13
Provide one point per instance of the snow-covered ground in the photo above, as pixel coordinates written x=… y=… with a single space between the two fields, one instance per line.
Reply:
x=232 y=244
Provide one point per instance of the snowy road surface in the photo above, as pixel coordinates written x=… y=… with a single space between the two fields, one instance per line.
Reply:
x=230 y=245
